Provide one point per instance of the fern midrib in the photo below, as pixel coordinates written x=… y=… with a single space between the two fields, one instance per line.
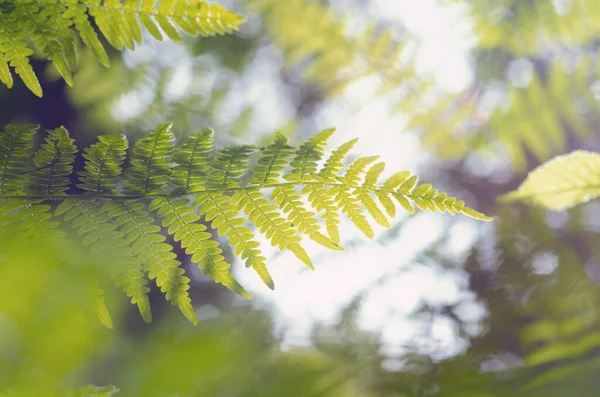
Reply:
x=227 y=170
x=271 y=164
x=149 y=163
x=107 y=241
x=190 y=168
x=229 y=189
x=171 y=14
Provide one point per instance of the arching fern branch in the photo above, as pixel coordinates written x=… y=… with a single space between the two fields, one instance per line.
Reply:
x=49 y=27
x=189 y=186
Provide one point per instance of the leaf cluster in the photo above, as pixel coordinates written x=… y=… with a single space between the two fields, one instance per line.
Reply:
x=53 y=28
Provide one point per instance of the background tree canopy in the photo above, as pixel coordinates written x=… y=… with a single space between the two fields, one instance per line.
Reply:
x=469 y=95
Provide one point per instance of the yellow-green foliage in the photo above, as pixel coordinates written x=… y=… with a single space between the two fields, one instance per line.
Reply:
x=49 y=27
x=162 y=177
x=562 y=182
x=335 y=58
x=536 y=121
x=530 y=27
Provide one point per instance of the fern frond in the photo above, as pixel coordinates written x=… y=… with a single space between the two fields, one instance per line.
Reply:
x=48 y=25
x=165 y=179
x=562 y=182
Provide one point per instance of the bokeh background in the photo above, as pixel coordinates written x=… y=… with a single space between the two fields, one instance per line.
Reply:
x=470 y=95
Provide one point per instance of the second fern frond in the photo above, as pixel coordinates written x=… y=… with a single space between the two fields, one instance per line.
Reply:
x=49 y=27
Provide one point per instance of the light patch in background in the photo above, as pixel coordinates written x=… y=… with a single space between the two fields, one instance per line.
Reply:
x=390 y=278
x=445 y=37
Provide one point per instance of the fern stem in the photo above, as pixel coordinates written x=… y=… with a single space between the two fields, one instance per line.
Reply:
x=212 y=190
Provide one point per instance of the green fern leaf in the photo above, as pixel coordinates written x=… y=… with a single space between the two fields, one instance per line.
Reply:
x=13 y=47
x=15 y=151
x=345 y=199
x=91 y=221
x=47 y=26
x=227 y=168
x=225 y=220
x=5 y=75
x=143 y=236
x=53 y=165
x=150 y=165
x=119 y=222
x=78 y=14
x=102 y=311
x=181 y=222
x=304 y=166
x=51 y=35
x=104 y=164
x=264 y=215
x=193 y=158
x=50 y=177
x=149 y=174
x=101 y=174
x=562 y=182
x=274 y=158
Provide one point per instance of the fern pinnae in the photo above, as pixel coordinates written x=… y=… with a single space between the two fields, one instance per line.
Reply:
x=151 y=250
x=182 y=223
x=88 y=218
x=264 y=215
x=172 y=177
x=104 y=164
x=227 y=169
x=102 y=169
x=273 y=160
x=13 y=46
x=15 y=150
x=364 y=195
x=50 y=177
x=193 y=157
x=147 y=175
x=343 y=193
x=224 y=218
x=5 y=75
x=304 y=168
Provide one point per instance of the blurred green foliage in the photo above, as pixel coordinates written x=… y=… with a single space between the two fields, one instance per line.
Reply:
x=533 y=94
